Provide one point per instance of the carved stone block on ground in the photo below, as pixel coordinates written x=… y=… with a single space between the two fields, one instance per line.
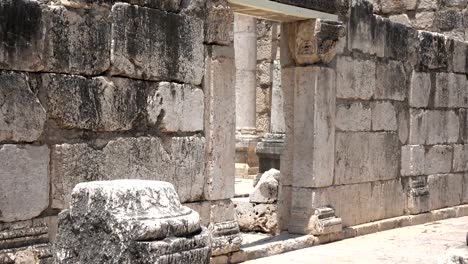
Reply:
x=256 y=216
x=24 y=191
x=132 y=221
x=179 y=107
x=156 y=45
x=417 y=195
x=22 y=116
x=179 y=161
x=224 y=227
x=266 y=190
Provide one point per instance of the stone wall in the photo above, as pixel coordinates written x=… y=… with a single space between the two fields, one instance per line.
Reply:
x=446 y=16
x=379 y=131
x=97 y=90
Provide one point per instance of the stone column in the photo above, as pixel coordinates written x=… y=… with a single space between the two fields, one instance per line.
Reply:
x=245 y=45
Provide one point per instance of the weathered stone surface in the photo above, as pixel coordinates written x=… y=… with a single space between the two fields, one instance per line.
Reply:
x=463 y=115
x=100 y=104
x=366 y=157
x=417 y=195
x=384 y=116
x=256 y=217
x=449 y=19
x=22 y=116
x=420 y=89
x=325 y=6
x=224 y=227
x=179 y=160
x=354 y=204
x=460 y=158
x=424 y=20
x=179 y=107
x=460 y=52
x=76 y=43
x=433 y=51
x=419 y=160
x=266 y=190
x=360 y=27
x=218 y=23
x=433 y=127
x=355 y=78
x=21 y=35
x=220 y=124
x=24 y=192
x=312 y=41
x=203 y=209
x=353 y=116
x=390 y=81
x=168 y=5
x=451 y=90
x=156 y=45
x=131 y=221
x=397 y=39
x=402 y=19
x=314 y=129
x=321 y=221
x=445 y=190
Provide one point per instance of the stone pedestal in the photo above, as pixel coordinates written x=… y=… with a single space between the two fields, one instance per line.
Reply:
x=246 y=145
x=130 y=221
x=269 y=152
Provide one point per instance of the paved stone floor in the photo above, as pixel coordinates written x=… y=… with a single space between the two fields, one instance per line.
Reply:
x=426 y=243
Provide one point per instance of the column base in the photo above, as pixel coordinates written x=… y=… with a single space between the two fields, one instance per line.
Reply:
x=269 y=152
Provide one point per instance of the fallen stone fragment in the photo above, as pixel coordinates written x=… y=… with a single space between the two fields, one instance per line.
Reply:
x=266 y=190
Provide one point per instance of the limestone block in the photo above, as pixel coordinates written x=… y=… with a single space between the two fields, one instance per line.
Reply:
x=366 y=157
x=218 y=23
x=76 y=43
x=424 y=20
x=21 y=40
x=445 y=190
x=402 y=19
x=180 y=160
x=413 y=160
x=203 y=209
x=277 y=102
x=460 y=53
x=266 y=190
x=465 y=189
x=353 y=116
x=460 y=158
x=25 y=182
x=219 y=83
x=99 y=104
x=433 y=127
x=132 y=221
x=384 y=116
x=451 y=90
x=391 y=81
x=355 y=78
x=53 y=38
x=397 y=39
x=224 y=227
x=427 y=4
x=284 y=206
x=417 y=194
x=360 y=27
x=438 y=159
x=463 y=114
x=354 y=204
x=449 y=19
x=433 y=51
x=22 y=116
x=420 y=89
x=167 y=5
x=179 y=107
x=167 y=47
x=392 y=6
x=287 y=156
x=314 y=129
x=256 y=217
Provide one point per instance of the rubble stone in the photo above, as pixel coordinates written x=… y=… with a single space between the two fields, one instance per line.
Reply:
x=22 y=116
x=266 y=190
x=169 y=47
x=132 y=221
x=24 y=190
x=258 y=217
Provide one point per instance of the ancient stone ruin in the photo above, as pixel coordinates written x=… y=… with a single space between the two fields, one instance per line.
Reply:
x=130 y=221
x=361 y=107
